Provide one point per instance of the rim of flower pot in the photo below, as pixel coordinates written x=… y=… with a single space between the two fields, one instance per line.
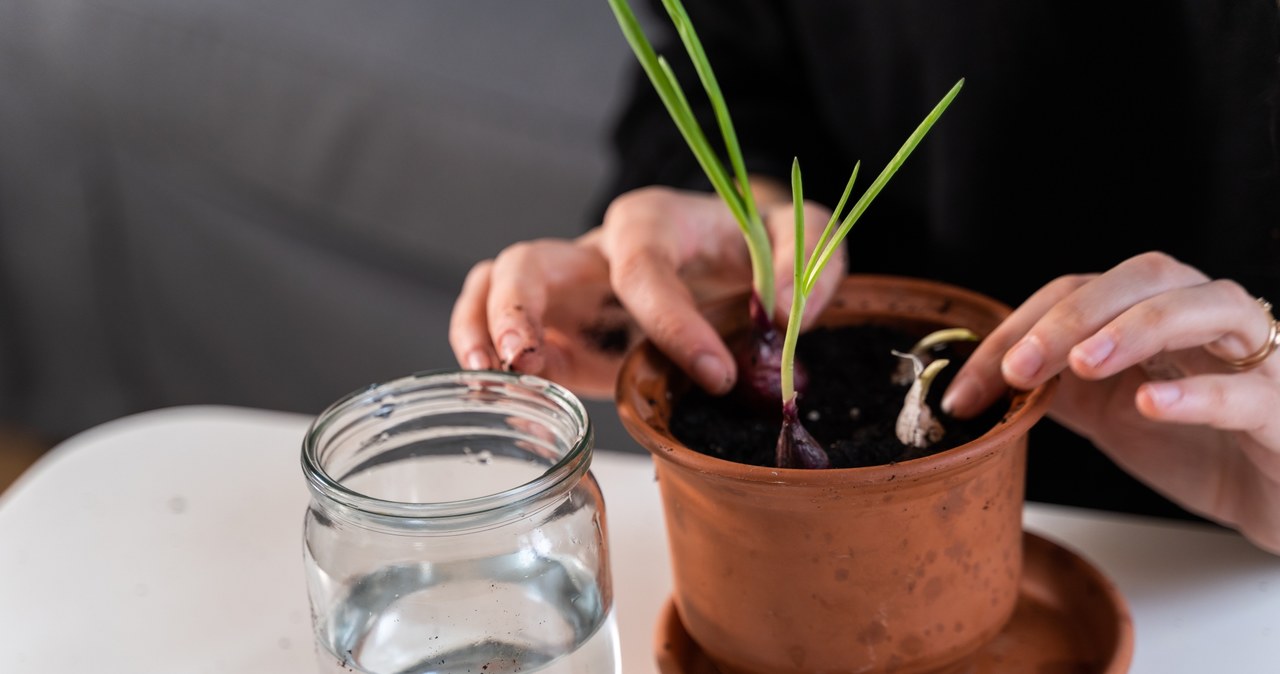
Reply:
x=1026 y=408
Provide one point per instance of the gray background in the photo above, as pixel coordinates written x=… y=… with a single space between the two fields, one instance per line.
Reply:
x=271 y=204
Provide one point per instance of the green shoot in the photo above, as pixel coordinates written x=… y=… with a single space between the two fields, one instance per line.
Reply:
x=808 y=273
x=765 y=366
x=734 y=190
x=798 y=298
x=943 y=336
x=829 y=243
x=906 y=372
x=916 y=425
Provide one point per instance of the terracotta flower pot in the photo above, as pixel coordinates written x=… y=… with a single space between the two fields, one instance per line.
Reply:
x=906 y=568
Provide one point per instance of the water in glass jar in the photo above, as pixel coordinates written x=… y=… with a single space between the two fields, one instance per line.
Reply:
x=515 y=613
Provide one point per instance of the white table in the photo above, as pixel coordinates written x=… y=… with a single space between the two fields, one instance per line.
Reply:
x=170 y=543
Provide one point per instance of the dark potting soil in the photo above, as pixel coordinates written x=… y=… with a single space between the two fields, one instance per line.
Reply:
x=850 y=406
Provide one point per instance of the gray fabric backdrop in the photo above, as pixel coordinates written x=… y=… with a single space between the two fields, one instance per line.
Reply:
x=273 y=203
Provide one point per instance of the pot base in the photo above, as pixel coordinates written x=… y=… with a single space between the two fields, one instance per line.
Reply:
x=1069 y=618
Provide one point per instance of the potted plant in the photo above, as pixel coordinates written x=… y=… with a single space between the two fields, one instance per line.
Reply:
x=909 y=566
x=788 y=556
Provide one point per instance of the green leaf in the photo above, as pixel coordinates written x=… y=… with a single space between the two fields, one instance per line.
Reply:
x=737 y=197
x=684 y=27
x=798 y=294
x=823 y=256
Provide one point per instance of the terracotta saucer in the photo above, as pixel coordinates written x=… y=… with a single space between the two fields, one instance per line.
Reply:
x=1069 y=618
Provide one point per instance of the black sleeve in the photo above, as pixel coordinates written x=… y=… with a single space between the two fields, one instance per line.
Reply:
x=749 y=44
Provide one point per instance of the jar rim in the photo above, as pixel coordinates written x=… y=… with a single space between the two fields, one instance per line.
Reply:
x=369 y=401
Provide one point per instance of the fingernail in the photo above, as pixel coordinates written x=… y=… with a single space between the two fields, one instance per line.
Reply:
x=959 y=398
x=1091 y=352
x=711 y=373
x=477 y=360
x=1023 y=361
x=1163 y=394
x=509 y=346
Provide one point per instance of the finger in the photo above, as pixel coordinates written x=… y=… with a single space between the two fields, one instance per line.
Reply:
x=516 y=303
x=781 y=225
x=1230 y=402
x=469 y=322
x=651 y=290
x=1218 y=315
x=1043 y=351
x=1236 y=342
x=1033 y=344
x=1238 y=492
x=980 y=381
x=648 y=236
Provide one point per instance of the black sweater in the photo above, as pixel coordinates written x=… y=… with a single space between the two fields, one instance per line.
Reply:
x=1083 y=136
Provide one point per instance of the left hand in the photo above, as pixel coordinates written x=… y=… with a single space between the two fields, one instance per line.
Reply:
x=1143 y=351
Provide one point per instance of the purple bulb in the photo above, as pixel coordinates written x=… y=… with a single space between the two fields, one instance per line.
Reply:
x=796 y=448
x=759 y=360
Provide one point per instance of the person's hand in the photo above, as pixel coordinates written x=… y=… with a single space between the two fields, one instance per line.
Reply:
x=567 y=309
x=1144 y=353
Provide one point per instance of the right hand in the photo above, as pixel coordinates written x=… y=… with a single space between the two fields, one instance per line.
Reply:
x=567 y=309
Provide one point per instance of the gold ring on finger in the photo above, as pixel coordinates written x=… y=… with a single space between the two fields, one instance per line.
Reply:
x=1269 y=347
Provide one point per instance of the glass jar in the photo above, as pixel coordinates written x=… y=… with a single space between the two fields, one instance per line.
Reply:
x=454 y=527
